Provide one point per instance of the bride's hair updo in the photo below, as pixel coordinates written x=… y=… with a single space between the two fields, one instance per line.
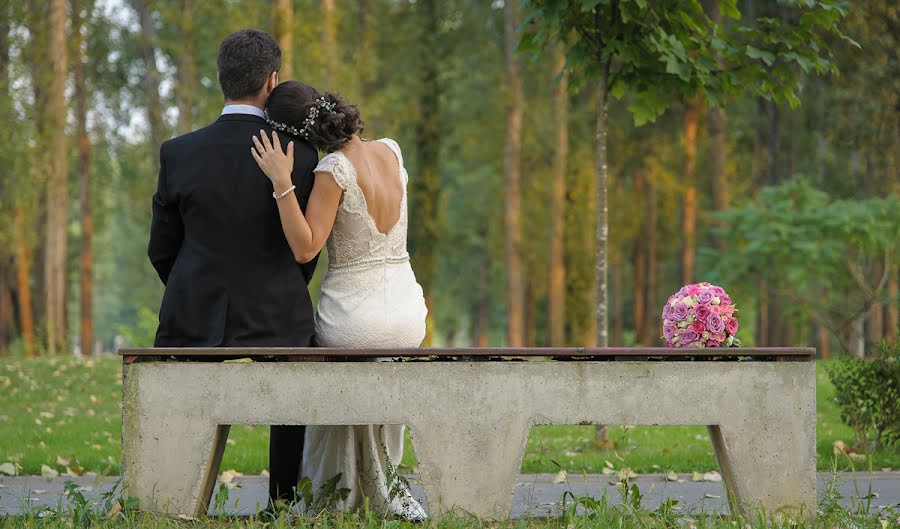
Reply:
x=326 y=121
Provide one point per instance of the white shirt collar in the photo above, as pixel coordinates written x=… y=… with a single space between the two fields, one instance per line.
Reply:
x=243 y=109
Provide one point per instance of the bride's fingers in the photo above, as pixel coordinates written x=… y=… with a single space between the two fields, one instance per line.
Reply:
x=265 y=140
x=276 y=141
x=290 y=150
x=256 y=156
x=259 y=146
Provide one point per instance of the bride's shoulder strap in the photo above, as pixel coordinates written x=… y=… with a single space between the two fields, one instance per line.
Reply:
x=394 y=146
x=335 y=165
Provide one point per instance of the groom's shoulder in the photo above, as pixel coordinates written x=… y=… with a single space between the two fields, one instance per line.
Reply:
x=189 y=140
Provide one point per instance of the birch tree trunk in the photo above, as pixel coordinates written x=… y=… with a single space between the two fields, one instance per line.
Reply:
x=151 y=75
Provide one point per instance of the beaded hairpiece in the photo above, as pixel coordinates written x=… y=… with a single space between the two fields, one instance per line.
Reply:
x=308 y=123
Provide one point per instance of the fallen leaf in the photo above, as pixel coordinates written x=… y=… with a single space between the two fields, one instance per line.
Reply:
x=75 y=470
x=712 y=476
x=229 y=475
x=264 y=473
x=626 y=474
x=48 y=472
x=606 y=471
x=230 y=442
x=858 y=457
x=608 y=463
x=839 y=447
x=671 y=476
x=561 y=477
x=695 y=476
x=62 y=462
x=115 y=510
x=711 y=496
x=38 y=491
x=8 y=469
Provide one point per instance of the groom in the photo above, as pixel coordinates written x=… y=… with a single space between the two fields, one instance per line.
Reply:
x=216 y=239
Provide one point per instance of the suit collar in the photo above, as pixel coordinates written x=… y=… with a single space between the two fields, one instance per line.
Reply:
x=242 y=117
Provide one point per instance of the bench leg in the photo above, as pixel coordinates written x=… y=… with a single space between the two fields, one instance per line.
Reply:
x=768 y=464
x=469 y=468
x=172 y=463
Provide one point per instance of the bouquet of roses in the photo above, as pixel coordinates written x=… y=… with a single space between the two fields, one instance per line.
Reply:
x=700 y=315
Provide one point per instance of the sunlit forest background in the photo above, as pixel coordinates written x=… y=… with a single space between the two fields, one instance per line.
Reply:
x=792 y=208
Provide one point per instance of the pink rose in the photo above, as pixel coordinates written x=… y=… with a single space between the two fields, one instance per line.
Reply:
x=718 y=291
x=712 y=343
x=732 y=326
x=668 y=312
x=703 y=312
x=689 y=337
x=715 y=324
x=668 y=331
x=698 y=326
x=704 y=296
x=729 y=310
x=693 y=289
x=681 y=311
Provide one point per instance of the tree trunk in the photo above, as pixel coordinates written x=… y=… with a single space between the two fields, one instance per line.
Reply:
x=652 y=330
x=892 y=318
x=602 y=229
x=515 y=301
x=618 y=304
x=483 y=321
x=57 y=181
x=151 y=75
x=689 y=221
x=283 y=21
x=367 y=45
x=875 y=316
x=762 y=316
x=824 y=342
x=7 y=321
x=187 y=69
x=84 y=182
x=23 y=285
x=638 y=269
x=718 y=158
x=425 y=192
x=557 y=284
x=330 y=44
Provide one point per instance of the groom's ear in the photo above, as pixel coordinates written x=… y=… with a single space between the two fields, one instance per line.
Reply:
x=271 y=83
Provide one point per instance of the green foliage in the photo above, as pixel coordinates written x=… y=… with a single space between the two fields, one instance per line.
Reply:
x=868 y=393
x=813 y=248
x=673 y=50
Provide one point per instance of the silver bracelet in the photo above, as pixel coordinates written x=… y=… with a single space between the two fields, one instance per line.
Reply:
x=286 y=192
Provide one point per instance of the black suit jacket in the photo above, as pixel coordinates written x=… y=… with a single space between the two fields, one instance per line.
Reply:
x=217 y=244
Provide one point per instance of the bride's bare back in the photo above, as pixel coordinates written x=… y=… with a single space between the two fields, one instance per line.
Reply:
x=378 y=176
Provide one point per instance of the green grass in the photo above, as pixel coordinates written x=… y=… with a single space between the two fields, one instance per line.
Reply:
x=56 y=409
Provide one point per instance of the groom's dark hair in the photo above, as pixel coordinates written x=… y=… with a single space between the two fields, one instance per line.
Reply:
x=246 y=59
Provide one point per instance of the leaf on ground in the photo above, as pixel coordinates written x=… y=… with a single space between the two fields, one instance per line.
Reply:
x=75 y=470
x=695 y=476
x=608 y=471
x=561 y=477
x=39 y=491
x=671 y=476
x=608 y=463
x=8 y=469
x=62 y=461
x=229 y=475
x=712 y=496
x=840 y=447
x=626 y=474
x=115 y=510
x=264 y=473
x=48 y=472
x=712 y=476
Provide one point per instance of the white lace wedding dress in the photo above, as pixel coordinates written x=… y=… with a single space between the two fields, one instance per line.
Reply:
x=370 y=299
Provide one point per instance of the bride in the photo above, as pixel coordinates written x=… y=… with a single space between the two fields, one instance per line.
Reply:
x=370 y=297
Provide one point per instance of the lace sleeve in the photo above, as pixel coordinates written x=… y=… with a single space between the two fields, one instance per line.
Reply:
x=333 y=164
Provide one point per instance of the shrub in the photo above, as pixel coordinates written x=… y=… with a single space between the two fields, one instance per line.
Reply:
x=868 y=394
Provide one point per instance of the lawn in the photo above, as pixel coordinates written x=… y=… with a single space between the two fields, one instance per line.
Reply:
x=65 y=412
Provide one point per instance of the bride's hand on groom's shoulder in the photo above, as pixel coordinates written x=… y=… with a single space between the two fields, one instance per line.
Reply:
x=276 y=163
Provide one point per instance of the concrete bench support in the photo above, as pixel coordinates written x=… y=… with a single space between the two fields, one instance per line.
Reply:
x=469 y=420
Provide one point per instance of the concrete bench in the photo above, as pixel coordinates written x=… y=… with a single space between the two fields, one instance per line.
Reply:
x=469 y=412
